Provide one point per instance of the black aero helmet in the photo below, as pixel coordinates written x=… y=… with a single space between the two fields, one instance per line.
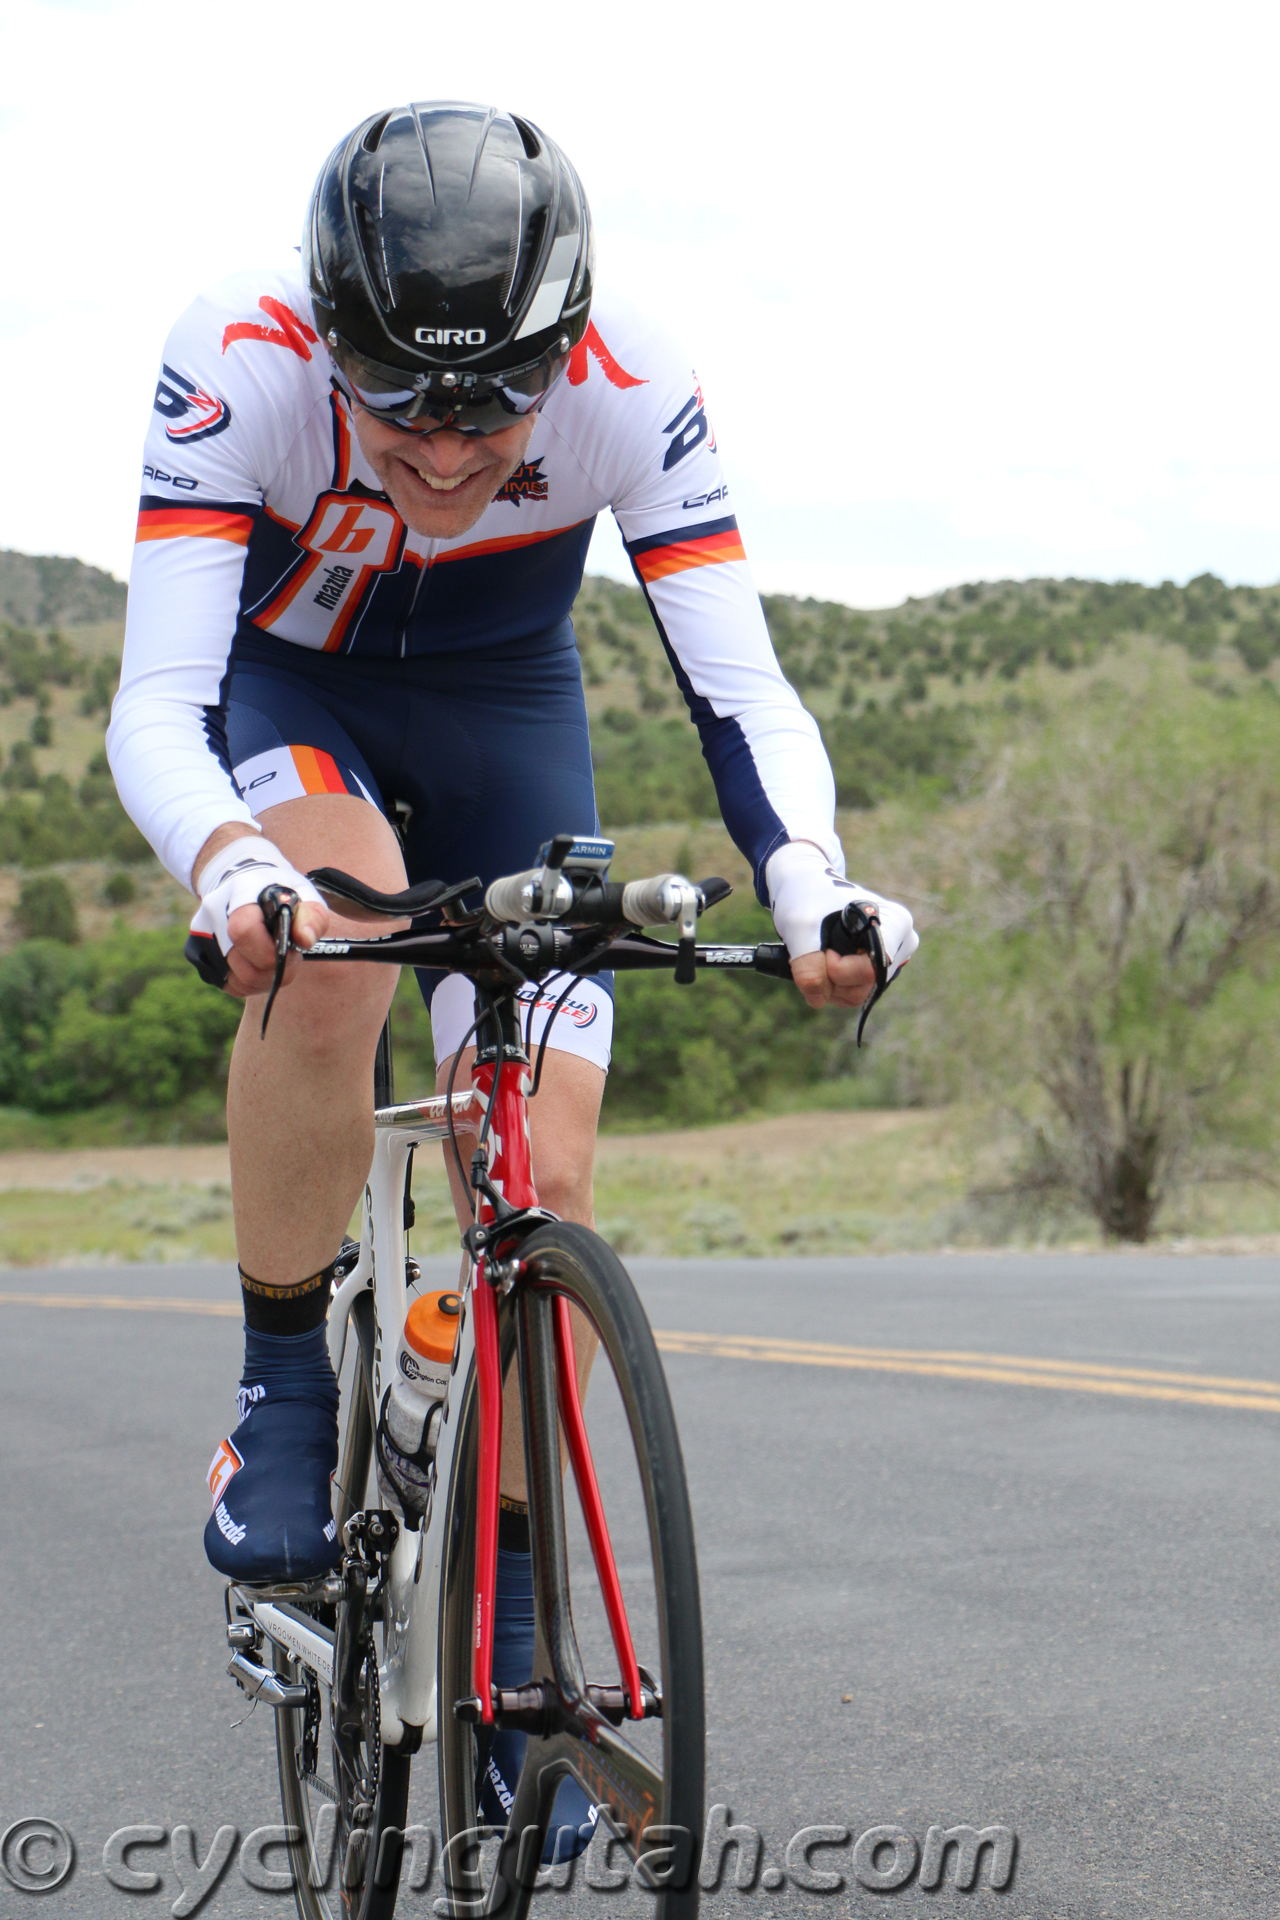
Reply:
x=449 y=255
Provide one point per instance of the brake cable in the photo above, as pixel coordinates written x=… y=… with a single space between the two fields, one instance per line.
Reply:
x=279 y=905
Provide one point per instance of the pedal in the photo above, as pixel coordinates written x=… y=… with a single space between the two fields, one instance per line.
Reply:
x=261 y=1684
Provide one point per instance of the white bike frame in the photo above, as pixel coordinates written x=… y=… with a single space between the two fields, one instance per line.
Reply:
x=407 y=1672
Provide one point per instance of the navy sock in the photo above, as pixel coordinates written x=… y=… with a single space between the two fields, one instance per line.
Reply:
x=572 y=1816
x=284 y=1311
x=272 y=1517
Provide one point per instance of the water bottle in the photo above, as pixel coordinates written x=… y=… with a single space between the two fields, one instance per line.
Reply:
x=410 y=1416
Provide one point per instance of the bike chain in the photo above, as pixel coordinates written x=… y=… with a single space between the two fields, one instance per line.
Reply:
x=311 y=1726
x=373 y=1697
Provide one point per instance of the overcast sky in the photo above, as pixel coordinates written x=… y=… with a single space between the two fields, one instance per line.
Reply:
x=973 y=291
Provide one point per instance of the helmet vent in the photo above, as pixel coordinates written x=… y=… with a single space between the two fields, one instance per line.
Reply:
x=532 y=144
x=374 y=258
x=525 y=269
x=374 y=133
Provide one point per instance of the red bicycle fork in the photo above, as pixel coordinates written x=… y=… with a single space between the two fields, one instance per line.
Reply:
x=511 y=1176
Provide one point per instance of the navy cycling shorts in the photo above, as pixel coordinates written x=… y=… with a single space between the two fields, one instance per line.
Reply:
x=489 y=749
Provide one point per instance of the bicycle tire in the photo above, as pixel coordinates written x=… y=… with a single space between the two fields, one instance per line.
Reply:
x=568 y=1260
x=377 y=1864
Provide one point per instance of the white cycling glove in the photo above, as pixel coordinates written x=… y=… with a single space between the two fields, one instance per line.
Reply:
x=804 y=889
x=236 y=876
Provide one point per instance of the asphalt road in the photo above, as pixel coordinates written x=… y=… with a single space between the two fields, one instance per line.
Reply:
x=1048 y=1590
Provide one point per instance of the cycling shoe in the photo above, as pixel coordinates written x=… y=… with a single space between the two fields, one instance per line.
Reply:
x=573 y=1817
x=272 y=1517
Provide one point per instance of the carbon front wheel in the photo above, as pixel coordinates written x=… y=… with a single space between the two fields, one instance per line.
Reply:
x=646 y=1776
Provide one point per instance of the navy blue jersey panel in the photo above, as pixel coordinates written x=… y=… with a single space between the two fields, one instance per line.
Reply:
x=748 y=811
x=488 y=598
x=476 y=601
x=272 y=555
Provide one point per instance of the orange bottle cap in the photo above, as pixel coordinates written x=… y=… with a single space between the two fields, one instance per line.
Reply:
x=431 y=1325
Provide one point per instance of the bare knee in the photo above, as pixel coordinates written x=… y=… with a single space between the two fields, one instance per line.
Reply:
x=563 y=1131
x=566 y=1187
x=335 y=1013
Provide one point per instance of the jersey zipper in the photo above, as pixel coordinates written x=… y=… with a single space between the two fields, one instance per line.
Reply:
x=407 y=615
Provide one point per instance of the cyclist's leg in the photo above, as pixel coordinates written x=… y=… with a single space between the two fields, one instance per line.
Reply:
x=300 y=1123
x=300 y=1103
x=299 y=1106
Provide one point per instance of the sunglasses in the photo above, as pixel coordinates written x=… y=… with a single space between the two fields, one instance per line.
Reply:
x=469 y=403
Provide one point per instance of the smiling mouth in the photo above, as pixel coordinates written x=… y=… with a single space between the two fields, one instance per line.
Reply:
x=435 y=482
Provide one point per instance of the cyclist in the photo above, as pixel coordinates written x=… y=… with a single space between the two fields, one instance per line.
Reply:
x=369 y=488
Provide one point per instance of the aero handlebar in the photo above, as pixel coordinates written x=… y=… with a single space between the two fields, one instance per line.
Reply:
x=551 y=919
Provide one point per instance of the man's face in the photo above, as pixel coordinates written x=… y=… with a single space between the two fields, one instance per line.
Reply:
x=441 y=482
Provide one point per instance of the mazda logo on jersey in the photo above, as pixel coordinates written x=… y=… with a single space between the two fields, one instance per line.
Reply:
x=349 y=540
x=189 y=412
x=528 y=482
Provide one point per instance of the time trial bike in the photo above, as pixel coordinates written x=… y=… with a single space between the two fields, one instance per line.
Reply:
x=394 y=1649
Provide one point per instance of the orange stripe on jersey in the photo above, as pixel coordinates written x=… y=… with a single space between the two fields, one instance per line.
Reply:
x=500 y=546
x=317 y=771
x=175 y=523
x=712 y=550
x=294 y=526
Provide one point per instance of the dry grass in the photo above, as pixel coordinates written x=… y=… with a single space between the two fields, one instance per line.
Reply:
x=863 y=1182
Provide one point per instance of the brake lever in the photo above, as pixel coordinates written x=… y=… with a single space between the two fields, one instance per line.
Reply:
x=856 y=930
x=279 y=905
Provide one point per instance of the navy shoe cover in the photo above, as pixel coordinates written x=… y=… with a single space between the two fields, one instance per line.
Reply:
x=573 y=1817
x=272 y=1517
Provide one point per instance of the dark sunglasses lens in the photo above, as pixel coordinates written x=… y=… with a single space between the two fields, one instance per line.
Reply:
x=381 y=392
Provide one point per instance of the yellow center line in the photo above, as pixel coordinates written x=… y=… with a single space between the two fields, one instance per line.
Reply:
x=1008 y=1370
x=1137 y=1383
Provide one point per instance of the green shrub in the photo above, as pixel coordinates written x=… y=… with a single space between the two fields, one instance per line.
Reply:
x=875 y=752
x=46 y=911
x=688 y=1055
x=651 y=771
x=21 y=774
x=120 y=1019
x=84 y=823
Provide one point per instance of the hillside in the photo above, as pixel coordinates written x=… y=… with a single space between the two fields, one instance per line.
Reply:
x=903 y=694
x=1073 y=785
x=45 y=590
x=912 y=700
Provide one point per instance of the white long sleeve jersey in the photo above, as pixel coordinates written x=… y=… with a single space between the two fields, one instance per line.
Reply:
x=259 y=514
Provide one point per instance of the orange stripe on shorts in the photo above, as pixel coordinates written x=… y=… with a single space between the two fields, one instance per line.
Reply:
x=317 y=771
